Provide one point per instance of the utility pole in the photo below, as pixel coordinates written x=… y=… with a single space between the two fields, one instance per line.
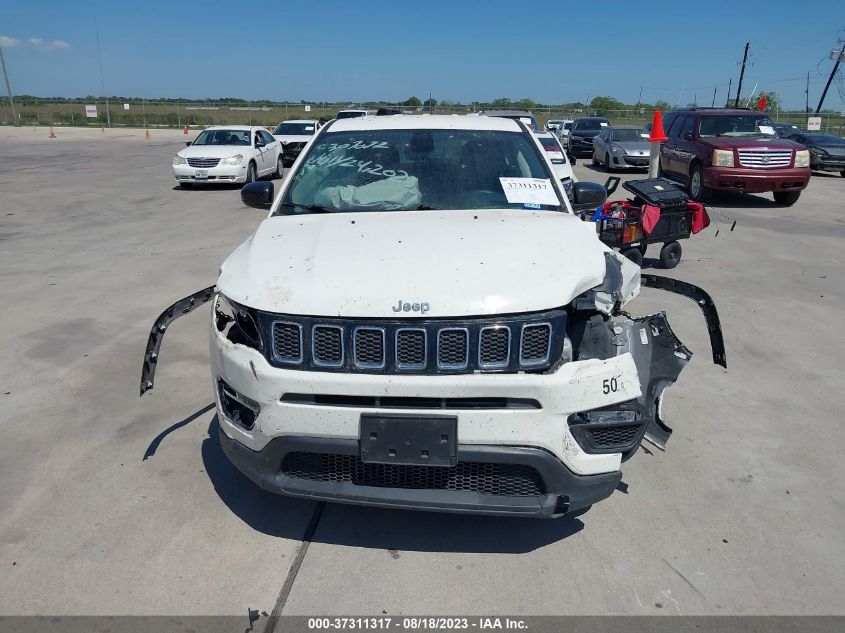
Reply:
x=640 y=98
x=100 y=62
x=829 y=79
x=807 y=94
x=8 y=88
x=728 y=100
x=741 y=74
x=713 y=103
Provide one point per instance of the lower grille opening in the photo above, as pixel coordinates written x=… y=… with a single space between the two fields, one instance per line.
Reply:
x=398 y=402
x=614 y=435
x=509 y=480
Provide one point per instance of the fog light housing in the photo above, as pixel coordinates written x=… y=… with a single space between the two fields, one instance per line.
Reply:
x=607 y=430
x=237 y=408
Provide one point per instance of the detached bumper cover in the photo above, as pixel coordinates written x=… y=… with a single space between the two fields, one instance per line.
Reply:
x=562 y=490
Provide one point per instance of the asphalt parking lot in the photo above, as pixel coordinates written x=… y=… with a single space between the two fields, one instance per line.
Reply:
x=111 y=504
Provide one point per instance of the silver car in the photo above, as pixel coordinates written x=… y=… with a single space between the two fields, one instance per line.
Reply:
x=621 y=147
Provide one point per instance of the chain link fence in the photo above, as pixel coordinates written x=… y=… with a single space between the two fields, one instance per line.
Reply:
x=177 y=114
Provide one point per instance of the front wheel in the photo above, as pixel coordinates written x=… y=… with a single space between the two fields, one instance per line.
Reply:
x=786 y=198
x=250 y=174
x=280 y=167
x=697 y=191
x=607 y=166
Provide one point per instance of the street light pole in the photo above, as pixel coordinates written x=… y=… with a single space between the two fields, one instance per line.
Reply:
x=8 y=87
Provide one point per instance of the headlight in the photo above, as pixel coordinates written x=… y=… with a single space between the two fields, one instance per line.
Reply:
x=802 y=158
x=616 y=148
x=178 y=160
x=237 y=159
x=723 y=158
x=236 y=323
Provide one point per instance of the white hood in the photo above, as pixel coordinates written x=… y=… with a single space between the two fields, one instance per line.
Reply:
x=461 y=263
x=213 y=151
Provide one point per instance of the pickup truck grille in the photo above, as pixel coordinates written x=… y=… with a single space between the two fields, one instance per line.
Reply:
x=203 y=162
x=529 y=342
x=765 y=158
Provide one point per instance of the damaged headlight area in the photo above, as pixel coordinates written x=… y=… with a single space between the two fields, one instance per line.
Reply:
x=659 y=357
x=236 y=323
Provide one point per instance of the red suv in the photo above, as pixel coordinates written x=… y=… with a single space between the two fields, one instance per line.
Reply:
x=736 y=150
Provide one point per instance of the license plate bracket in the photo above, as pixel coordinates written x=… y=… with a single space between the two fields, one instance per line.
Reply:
x=409 y=440
x=202 y=174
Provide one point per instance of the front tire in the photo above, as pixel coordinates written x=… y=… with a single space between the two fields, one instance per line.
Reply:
x=697 y=191
x=280 y=167
x=250 y=173
x=607 y=166
x=786 y=198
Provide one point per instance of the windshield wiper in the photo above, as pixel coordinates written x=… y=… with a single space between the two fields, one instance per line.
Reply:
x=313 y=208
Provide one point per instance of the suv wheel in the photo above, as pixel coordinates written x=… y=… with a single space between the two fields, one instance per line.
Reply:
x=786 y=198
x=697 y=190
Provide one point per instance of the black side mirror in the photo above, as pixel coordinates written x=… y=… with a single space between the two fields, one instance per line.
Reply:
x=588 y=195
x=258 y=195
x=688 y=136
x=188 y=144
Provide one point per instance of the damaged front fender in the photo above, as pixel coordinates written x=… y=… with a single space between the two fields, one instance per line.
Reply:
x=178 y=309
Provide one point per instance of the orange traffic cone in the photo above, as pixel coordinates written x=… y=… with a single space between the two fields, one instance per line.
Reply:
x=185 y=131
x=657 y=133
x=146 y=135
x=52 y=133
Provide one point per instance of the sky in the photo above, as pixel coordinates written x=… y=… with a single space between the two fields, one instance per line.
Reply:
x=459 y=50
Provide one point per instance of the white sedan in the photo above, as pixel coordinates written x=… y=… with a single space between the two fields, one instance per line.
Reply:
x=228 y=154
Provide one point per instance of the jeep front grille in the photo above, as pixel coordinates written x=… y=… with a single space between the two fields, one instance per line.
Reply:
x=528 y=342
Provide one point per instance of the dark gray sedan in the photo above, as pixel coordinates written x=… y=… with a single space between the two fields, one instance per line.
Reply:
x=621 y=147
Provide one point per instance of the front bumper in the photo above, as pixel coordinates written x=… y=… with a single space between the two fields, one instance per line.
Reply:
x=827 y=163
x=628 y=161
x=756 y=180
x=574 y=387
x=218 y=174
x=291 y=151
x=562 y=490
x=581 y=146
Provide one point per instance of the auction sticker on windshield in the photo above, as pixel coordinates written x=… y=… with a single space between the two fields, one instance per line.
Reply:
x=529 y=191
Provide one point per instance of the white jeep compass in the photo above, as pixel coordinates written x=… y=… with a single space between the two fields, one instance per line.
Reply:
x=422 y=322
